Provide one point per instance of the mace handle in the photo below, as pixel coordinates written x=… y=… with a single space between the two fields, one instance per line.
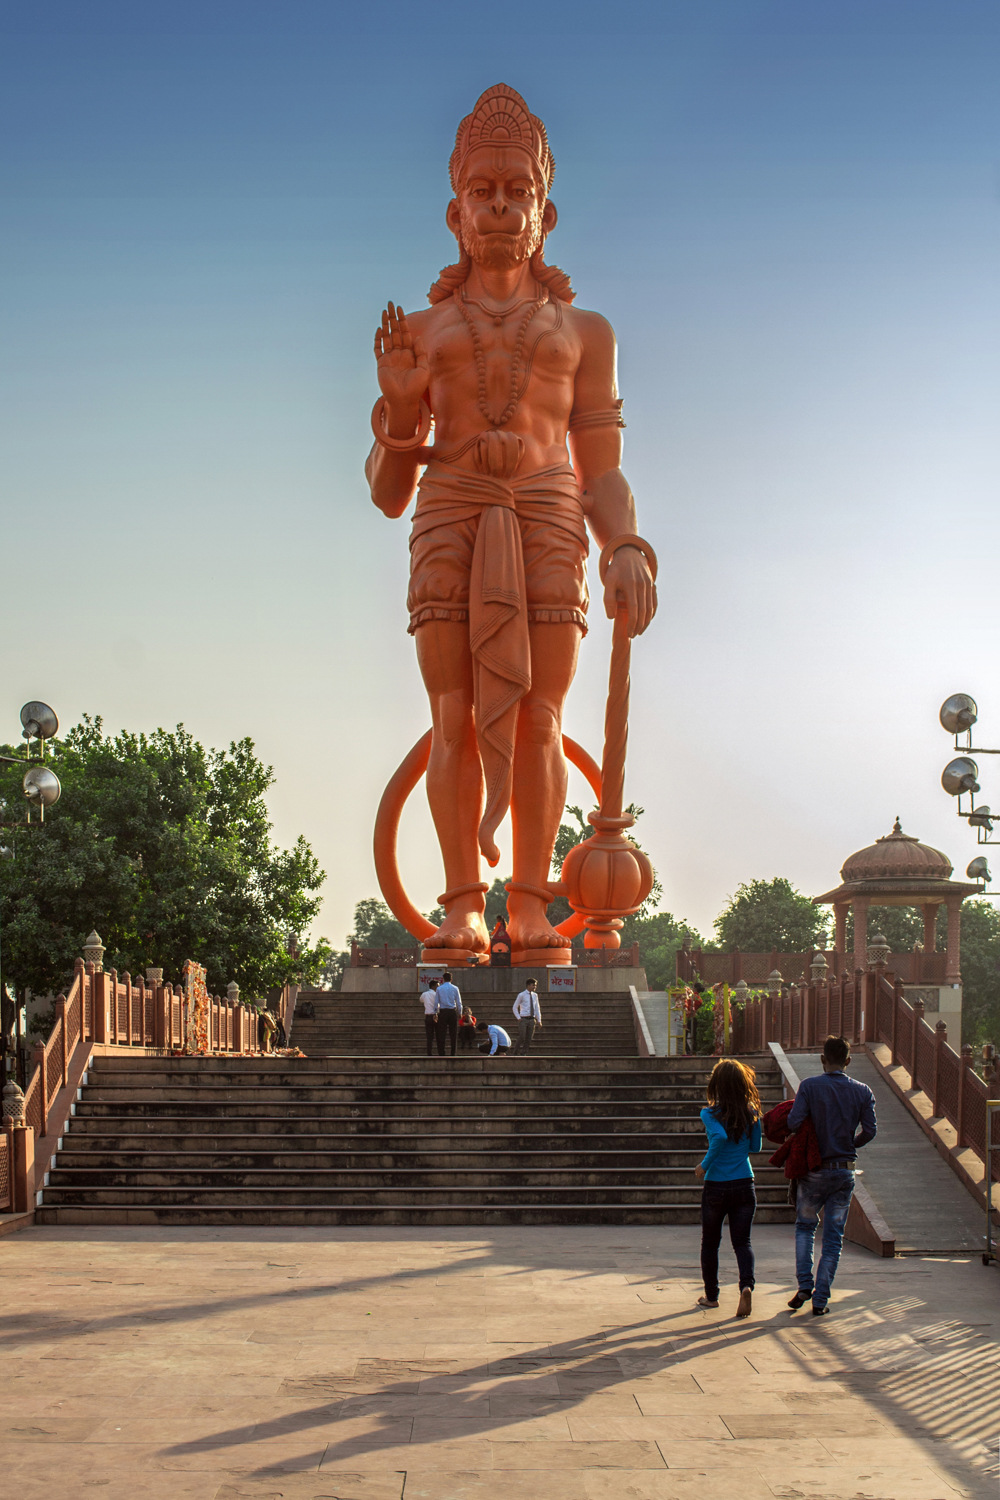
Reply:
x=616 y=719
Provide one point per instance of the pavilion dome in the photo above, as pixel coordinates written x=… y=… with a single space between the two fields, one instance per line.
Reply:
x=897 y=856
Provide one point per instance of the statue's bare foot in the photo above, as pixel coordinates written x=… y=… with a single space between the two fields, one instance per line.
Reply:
x=529 y=926
x=461 y=928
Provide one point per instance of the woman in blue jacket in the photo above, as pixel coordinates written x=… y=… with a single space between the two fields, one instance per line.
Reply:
x=732 y=1123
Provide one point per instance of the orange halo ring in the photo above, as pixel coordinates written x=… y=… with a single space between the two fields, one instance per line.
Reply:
x=390 y=810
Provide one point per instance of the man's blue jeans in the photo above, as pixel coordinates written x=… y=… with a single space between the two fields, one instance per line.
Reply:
x=830 y=1191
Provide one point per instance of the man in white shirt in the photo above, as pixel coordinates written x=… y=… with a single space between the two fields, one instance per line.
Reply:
x=430 y=1004
x=499 y=1040
x=528 y=1013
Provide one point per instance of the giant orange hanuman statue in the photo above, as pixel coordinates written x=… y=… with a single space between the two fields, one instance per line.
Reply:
x=521 y=388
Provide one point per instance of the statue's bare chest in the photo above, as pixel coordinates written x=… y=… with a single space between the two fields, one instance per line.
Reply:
x=454 y=345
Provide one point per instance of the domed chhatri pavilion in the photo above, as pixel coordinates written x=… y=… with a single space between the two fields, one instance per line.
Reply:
x=898 y=870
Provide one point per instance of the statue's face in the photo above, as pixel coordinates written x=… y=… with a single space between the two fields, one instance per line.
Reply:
x=501 y=213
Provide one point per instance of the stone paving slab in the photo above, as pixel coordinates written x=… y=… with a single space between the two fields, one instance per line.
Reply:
x=509 y=1364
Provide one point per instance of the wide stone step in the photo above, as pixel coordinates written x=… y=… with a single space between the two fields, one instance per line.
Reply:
x=173 y=1216
x=412 y=1109
x=480 y=1135
x=125 y=1062
x=380 y=1195
x=490 y=1157
x=481 y=1175
x=458 y=1094
x=424 y=1125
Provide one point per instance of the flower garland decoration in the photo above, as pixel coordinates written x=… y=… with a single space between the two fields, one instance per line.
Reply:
x=196 y=994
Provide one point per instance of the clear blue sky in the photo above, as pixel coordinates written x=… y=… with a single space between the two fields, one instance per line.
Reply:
x=790 y=213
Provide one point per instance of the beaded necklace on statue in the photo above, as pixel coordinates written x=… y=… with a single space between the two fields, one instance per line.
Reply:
x=515 y=368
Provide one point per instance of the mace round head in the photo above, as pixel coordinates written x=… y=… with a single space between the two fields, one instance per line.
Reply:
x=607 y=875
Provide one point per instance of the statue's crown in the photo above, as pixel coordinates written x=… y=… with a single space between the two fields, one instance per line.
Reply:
x=501 y=118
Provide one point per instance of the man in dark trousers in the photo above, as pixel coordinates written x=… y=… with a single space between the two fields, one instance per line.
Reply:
x=449 y=1010
x=837 y=1106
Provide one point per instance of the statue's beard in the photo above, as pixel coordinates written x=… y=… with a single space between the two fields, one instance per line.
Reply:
x=501 y=252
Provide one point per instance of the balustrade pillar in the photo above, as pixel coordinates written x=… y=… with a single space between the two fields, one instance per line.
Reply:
x=963 y=1072
x=860 y=908
x=940 y=1037
x=918 y=1016
x=953 y=966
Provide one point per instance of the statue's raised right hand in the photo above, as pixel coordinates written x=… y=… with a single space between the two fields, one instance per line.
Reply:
x=402 y=378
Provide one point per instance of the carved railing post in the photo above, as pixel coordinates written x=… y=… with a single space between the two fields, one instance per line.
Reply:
x=918 y=1016
x=38 y=1061
x=963 y=1072
x=940 y=1037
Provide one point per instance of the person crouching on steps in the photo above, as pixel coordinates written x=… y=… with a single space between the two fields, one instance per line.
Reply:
x=498 y=1040
x=732 y=1123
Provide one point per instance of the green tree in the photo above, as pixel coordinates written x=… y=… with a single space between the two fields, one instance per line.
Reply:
x=766 y=914
x=659 y=937
x=980 y=973
x=165 y=848
x=901 y=926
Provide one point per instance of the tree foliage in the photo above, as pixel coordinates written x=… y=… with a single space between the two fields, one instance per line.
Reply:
x=165 y=848
x=980 y=973
x=767 y=914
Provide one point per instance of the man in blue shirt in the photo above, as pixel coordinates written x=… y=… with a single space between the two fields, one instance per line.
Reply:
x=449 y=1010
x=499 y=1038
x=837 y=1106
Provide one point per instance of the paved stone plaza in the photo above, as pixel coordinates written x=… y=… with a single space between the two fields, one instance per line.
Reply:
x=507 y=1364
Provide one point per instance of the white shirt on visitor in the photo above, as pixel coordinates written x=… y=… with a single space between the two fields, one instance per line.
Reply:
x=430 y=999
x=526 y=1005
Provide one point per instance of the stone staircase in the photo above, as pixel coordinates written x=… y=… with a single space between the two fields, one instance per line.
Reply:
x=363 y=1025
x=390 y=1140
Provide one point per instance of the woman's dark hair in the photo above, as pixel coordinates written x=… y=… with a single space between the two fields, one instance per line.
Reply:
x=733 y=1097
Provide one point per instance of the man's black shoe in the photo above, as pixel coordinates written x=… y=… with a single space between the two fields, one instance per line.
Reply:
x=820 y=1312
x=798 y=1300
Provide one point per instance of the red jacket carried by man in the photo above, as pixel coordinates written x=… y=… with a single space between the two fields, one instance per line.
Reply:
x=797 y=1152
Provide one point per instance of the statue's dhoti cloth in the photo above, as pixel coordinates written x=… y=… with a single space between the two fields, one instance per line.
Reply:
x=499 y=553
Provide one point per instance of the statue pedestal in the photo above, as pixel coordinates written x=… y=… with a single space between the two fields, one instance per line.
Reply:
x=533 y=958
x=461 y=958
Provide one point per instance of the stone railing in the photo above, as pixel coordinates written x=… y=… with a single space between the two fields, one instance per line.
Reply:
x=871 y=1007
x=755 y=968
x=102 y=1010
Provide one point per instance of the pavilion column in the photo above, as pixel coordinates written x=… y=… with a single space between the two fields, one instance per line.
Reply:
x=953 y=966
x=860 y=908
x=930 y=927
x=840 y=925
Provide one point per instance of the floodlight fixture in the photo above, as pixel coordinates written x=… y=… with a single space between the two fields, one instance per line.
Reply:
x=38 y=721
x=981 y=818
x=959 y=776
x=42 y=788
x=958 y=713
x=979 y=870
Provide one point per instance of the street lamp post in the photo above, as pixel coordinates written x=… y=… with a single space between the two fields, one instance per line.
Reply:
x=41 y=787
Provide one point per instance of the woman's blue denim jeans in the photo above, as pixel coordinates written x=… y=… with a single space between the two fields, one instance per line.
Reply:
x=830 y=1191
x=737 y=1199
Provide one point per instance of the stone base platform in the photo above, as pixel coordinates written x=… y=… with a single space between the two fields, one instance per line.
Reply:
x=483 y=980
